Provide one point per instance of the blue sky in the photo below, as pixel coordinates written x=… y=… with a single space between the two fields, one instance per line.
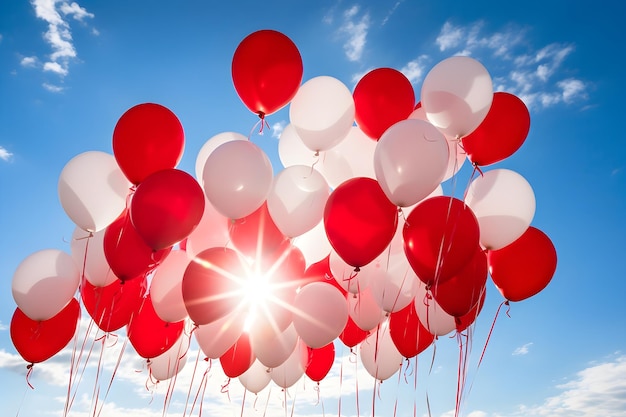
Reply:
x=69 y=70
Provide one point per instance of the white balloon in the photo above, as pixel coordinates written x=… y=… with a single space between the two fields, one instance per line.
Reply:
x=210 y=145
x=172 y=361
x=320 y=314
x=256 y=378
x=166 y=287
x=456 y=155
x=395 y=284
x=297 y=199
x=44 y=283
x=322 y=111
x=87 y=249
x=211 y=232
x=364 y=310
x=410 y=161
x=431 y=315
x=456 y=95
x=313 y=244
x=345 y=275
x=379 y=354
x=290 y=371
x=93 y=190
x=504 y=204
x=270 y=348
x=217 y=337
x=237 y=178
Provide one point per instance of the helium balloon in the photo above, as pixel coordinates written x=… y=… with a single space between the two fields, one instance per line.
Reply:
x=267 y=71
x=146 y=139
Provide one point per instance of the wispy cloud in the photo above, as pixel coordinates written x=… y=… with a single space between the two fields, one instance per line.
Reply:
x=522 y=350
x=355 y=27
x=29 y=61
x=58 y=36
x=533 y=74
x=391 y=12
x=416 y=69
x=5 y=156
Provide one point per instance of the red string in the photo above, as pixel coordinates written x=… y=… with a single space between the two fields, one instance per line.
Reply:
x=28 y=373
x=506 y=303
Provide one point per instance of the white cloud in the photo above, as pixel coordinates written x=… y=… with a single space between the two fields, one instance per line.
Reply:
x=277 y=129
x=391 y=12
x=29 y=61
x=59 y=35
x=449 y=37
x=5 y=156
x=598 y=390
x=416 y=69
x=522 y=350
x=52 y=88
x=355 y=28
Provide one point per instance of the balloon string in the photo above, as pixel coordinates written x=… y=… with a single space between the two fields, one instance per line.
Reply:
x=117 y=365
x=201 y=387
x=340 y=386
x=225 y=389
x=482 y=355
x=243 y=402
x=29 y=371
x=471 y=179
x=193 y=376
x=415 y=389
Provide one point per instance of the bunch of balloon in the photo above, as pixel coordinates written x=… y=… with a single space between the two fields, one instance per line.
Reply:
x=352 y=241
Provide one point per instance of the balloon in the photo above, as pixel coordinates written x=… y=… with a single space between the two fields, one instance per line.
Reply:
x=379 y=355
x=39 y=340
x=345 y=276
x=525 y=267
x=394 y=283
x=320 y=362
x=270 y=348
x=256 y=235
x=322 y=112
x=431 y=315
x=383 y=97
x=92 y=190
x=238 y=358
x=216 y=337
x=166 y=287
x=352 y=334
x=212 y=284
x=166 y=207
x=504 y=204
x=410 y=161
x=313 y=244
x=146 y=139
x=407 y=332
x=87 y=249
x=290 y=372
x=44 y=282
x=112 y=306
x=456 y=155
x=297 y=199
x=459 y=294
x=149 y=335
x=267 y=71
x=128 y=255
x=171 y=362
x=456 y=95
x=441 y=235
x=501 y=133
x=364 y=309
x=469 y=318
x=320 y=314
x=237 y=178
x=256 y=377
x=210 y=145
x=360 y=220
x=212 y=231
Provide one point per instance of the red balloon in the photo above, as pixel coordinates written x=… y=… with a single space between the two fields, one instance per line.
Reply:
x=320 y=272
x=408 y=333
x=238 y=358
x=352 y=334
x=441 y=235
x=524 y=267
x=360 y=221
x=112 y=306
x=37 y=341
x=469 y=318
x=166 y=207
x=501 y=133
x=320 y=362
x=459 y=294
x=146 y=139
x=212 y=284
x=267 y=71
x=383 y=97
x=149 y=335
x=126 y=252
x=256 y=235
